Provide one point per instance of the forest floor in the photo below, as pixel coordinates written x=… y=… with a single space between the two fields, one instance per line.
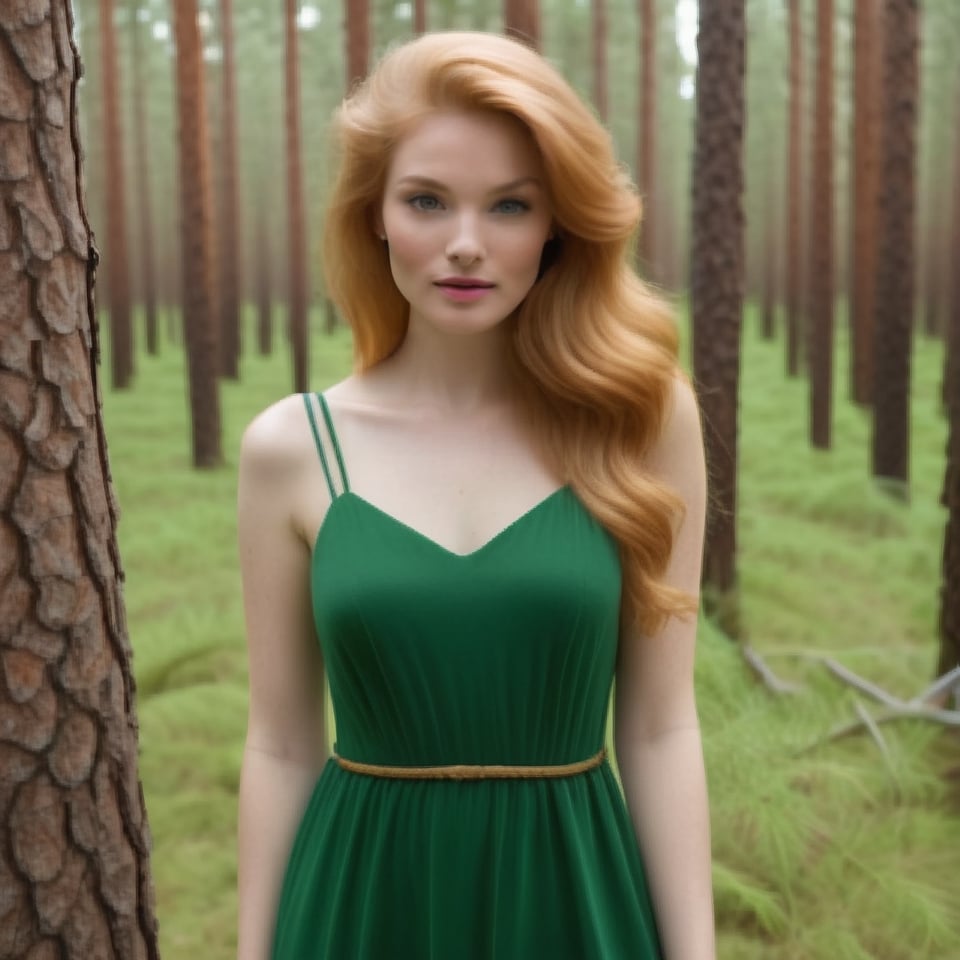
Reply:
x=824 y=849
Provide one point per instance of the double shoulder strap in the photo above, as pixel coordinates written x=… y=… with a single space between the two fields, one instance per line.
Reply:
x=310 y=403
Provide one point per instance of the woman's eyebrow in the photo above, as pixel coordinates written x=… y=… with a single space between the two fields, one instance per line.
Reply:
x=437 y=185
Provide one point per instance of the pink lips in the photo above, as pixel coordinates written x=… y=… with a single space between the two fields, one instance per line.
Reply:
x=463 y=289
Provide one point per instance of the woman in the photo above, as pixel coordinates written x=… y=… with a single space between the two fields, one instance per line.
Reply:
x=497 y=514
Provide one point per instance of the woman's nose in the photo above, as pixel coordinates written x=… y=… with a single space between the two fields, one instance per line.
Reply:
x=465 y=244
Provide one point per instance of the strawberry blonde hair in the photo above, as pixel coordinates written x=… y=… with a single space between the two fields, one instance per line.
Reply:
x=598 y=348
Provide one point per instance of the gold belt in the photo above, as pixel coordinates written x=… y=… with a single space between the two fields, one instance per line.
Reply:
x=473 y=771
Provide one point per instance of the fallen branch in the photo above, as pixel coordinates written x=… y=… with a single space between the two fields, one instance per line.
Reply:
x=864 y=686
x=945 y=685
x=770 y=680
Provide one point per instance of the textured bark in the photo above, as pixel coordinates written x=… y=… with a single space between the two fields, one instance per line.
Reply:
x=199 y=303
x=821 y=287
x=717 y=272
x=297 y=246
x=646 y=135
x=895 y=275
x=794 y=265
x=358 y=38
x=74 y=842
x=521 y=19
x=867 y=91
x=599 y=12
x=229 y=246
x=141 y=149
x=118 y=278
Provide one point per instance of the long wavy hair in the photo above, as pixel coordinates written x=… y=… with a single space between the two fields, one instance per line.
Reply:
x=598 y=347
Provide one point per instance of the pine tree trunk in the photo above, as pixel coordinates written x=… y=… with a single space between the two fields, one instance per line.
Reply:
x=599 y=10
x=74 y=844
x=358 y=39
x=297 y=297
x=521 y=19
x=717 y=282
x=794 y=271
x=143 y=192
x=895 y=275
x=646 y=136
x=199 y=303
x=949 y=655
x=820 y=343
x=419 y=16
x=867 y=91
x=264 y=299
x=229 y=246
x=118 y=278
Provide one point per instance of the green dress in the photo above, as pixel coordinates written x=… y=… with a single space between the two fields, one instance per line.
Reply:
x=501 y=656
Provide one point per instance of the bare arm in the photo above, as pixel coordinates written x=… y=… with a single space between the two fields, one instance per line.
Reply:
x=656 y=730
x=284 y=749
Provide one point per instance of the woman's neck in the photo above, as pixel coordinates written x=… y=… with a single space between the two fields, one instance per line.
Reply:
x=453 y=373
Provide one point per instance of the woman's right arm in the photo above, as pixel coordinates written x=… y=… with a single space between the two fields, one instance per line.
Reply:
x=285 y=745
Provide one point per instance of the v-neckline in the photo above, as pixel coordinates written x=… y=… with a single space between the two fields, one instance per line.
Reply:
x=349 y=495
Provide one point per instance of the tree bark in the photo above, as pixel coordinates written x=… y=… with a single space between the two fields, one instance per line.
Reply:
x=419 y=16
x=820 y=342
x=646 y=136
x=867 y=92
x=949 y=654
x=199 y=302
x=599 y=12
x=297 y=298
x=358 y=39
x=143 y=192
x=896 y=265
x=229 y=246
x=74 y=844
x=521 y=19
x=264 y=299
x=118 y=278
x=794 y=266
x=717 y=271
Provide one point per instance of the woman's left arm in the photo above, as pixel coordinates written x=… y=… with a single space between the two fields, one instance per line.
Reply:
x=656 y=730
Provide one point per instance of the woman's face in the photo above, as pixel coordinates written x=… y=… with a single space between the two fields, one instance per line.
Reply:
x=465 y=214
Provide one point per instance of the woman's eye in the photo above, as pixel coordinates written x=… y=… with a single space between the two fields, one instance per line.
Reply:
x=424 y=201
x=512 y=206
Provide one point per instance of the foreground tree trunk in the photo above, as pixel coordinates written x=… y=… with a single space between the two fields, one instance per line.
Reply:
x=296 y=226
x=794 y=265
x=717 y=283
x=199 y=303
x=118 y=277
x=74 y=845
x=895 y=275
x=820 y=341
x=867 y=91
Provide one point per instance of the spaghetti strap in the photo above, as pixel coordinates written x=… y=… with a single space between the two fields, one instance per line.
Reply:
x=314 y=427
x=333 y=437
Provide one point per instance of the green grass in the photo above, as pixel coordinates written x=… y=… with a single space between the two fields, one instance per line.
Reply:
x=838 y=852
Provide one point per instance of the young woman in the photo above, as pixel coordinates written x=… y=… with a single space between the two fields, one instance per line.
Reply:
x=495 y=518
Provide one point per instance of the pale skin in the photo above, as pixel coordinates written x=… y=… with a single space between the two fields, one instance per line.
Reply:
x=433 y=436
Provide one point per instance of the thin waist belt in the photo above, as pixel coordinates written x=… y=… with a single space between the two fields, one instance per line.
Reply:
x=473 y=771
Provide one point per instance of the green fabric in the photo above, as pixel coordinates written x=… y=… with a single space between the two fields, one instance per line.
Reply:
x=502 y=656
